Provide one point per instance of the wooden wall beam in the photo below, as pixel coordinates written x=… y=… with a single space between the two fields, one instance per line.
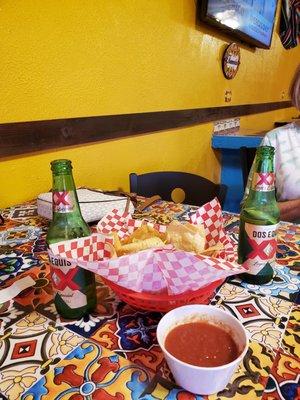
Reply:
x=26 y=137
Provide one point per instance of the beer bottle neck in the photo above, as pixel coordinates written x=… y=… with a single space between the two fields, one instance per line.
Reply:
x=262 y=186
x=262 y=196
x=64 y=196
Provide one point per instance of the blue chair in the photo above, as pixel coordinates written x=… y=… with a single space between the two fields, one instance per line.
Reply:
x=192 y=189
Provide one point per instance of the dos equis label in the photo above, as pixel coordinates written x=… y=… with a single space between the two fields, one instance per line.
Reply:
x=63 y=202
x=260 y=242
x=263 y=181
x=67 y=281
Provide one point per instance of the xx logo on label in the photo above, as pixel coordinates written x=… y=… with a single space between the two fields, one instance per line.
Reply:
x=61 y=198
x=265 y=177
x=61 y=280
x=264 y=250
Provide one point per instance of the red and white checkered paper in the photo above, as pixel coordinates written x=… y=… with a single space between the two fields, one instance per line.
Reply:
x=154 y=270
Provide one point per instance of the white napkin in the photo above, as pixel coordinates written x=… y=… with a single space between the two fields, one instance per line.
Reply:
x=94 y=205
x=17 y=287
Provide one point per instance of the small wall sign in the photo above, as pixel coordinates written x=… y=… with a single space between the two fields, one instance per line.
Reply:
x=231 y=61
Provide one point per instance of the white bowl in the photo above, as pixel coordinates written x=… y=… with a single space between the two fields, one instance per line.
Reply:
x=202 y=380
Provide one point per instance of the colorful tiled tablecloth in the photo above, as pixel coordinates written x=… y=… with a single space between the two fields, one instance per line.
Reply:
x=113 y=353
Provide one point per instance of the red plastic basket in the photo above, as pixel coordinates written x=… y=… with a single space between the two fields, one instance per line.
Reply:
x=163 y=302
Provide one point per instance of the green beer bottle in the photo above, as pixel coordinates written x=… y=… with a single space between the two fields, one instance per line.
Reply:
x=259 y=220
x=74 y=287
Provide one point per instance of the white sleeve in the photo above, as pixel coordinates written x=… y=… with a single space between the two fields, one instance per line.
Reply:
x=266 y=141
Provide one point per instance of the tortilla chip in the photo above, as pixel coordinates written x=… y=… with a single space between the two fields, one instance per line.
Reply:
x=183 y=236
x=144 y=232
x=213 y=250
x=187 y=237
x=140 y=245
x=112 y=250
x=117 y=242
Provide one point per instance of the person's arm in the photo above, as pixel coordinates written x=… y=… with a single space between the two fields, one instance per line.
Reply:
x=289 y=210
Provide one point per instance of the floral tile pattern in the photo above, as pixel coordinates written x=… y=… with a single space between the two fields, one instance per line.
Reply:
x=291 y=339
x=285 y=284
x=264 y=317
x=14 y=263
x=28 y=349
x=130 y=331
x=148 y=355
x=40 y=293
x=106 y=308
x=163 y=212
x=19 y=234
x=113 y=353
x=284 y=380
x=289 y=232
x=20 y=212
x=132 y=334
x=250 y=379
x=161 y=388
x=247 y=383
x=132 y=328
x=10 y=312
x=93 y=372
x=151 y=359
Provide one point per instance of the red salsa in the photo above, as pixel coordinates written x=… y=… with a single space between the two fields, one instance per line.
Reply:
x=202 y=344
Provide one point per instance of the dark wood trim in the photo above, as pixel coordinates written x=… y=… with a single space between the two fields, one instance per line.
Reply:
x=26 y=137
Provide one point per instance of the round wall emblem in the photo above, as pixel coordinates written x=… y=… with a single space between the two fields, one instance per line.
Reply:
x=231 y=60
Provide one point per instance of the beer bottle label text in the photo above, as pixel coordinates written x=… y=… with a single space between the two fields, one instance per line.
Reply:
x=63 y=202
x=263 y=181
x=260 y=242
x=66 y=281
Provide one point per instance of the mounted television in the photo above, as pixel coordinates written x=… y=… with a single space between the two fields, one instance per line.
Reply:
x=251 y=21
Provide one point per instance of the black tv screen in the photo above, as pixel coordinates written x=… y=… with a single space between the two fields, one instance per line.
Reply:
x=251 y=21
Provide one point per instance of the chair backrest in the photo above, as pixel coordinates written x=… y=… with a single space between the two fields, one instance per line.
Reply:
x=197 y=190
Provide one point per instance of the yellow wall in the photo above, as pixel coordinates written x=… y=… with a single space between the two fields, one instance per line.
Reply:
x=71 y=58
